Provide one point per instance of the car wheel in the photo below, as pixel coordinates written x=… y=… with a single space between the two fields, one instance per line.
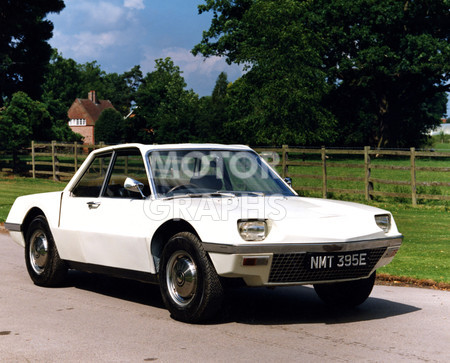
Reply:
x=346 y=294
x=41 y=256
x=190 y=286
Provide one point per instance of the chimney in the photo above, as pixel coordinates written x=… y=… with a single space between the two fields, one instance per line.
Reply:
x=92 y=97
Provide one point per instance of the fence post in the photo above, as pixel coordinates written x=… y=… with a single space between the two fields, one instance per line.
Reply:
x=324 y=172
x=413 y=177
x=284 y=157
x=33 y=165
x=75 y=155
x=367 y=184
x=53 y=160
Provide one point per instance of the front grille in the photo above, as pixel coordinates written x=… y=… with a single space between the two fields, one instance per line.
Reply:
x=293 y=267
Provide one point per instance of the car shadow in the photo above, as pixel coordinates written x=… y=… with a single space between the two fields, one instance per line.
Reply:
x=256 y=306
x=301 y=305
x=124 y=289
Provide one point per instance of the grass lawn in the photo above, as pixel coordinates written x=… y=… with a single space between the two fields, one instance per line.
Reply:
x=12 y=187
x=425 y=253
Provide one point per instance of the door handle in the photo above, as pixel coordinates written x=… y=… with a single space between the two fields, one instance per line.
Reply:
x=93 y=205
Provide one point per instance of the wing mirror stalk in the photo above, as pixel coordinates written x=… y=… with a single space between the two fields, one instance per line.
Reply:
x=288 y=181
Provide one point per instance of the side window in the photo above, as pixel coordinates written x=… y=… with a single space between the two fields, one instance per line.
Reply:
x=91 y=182
x=128 y=163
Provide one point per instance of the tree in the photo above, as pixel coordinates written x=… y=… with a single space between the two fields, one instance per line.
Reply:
x=62 y=84
x=21 y=120
x=24 y=51
x=120 y=89
x=219 y=93
x=166 y=110
x=213 y=113
x=380 y=68
x=110 y=127
x=285 y=84
x=218 y=111
x=389 y=73
x=226 y=35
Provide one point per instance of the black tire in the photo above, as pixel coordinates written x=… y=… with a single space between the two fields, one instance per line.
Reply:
x=346 y=294
x=190 y=287
x=41 y=256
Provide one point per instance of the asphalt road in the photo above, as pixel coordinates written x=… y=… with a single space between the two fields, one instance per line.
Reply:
x=97 y=318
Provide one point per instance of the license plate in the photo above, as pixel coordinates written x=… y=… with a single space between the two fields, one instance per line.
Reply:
x=336 y=261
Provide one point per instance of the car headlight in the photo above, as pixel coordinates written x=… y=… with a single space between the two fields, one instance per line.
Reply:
x=255 y=230
x=384 y=222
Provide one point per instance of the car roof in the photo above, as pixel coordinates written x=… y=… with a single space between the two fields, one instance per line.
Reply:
x=145 y=148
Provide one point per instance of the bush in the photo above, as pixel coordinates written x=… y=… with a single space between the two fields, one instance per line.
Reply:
x=109 y=127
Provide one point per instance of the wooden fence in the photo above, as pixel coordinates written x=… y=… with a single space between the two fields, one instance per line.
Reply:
x=300 y=157
x=63 y=160
x=58 y=159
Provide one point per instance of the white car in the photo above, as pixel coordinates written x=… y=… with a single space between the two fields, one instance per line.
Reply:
x=192 y=217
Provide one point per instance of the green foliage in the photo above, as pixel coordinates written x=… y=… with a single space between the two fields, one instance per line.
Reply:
x=24 y=51
x=109 y=127
x=213 y=114
x=225 y=35
x=285 y=86
x=388 y=65
x=379 y=68
x=61 y=86
x=22 y=119
x=166 y=111
x=120 y=89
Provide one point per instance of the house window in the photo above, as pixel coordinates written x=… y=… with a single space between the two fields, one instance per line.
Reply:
x=77 y=122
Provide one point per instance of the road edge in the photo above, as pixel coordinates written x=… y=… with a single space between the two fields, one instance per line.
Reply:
x=391 y=280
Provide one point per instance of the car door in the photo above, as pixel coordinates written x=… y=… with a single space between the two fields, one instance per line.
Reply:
x=104 y=223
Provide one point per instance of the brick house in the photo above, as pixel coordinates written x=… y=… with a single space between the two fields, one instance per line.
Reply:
x=84 y=113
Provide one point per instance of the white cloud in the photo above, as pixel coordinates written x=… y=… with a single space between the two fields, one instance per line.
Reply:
x=99 y=15
x=186 y=61
x=86 y=46
x=134 y=4
x=92 y=44
x=94 y=30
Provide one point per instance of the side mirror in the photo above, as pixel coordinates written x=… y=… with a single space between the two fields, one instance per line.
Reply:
x=288 y=181
x=134 y=186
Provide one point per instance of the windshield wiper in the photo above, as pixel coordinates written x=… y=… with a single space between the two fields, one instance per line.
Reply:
x=258 y=194
x=201 y=195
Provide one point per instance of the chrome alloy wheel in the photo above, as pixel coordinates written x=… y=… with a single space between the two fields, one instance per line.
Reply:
x=38 y=251
x=181 y=277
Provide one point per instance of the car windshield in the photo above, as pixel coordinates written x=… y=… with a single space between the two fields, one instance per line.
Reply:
x=214 y=173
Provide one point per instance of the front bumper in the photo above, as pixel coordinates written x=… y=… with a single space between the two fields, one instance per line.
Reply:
x=287 y=264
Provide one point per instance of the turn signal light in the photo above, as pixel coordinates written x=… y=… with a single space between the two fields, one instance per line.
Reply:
x=255 y=260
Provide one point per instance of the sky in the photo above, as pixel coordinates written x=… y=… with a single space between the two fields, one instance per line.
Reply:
x=120 y=34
